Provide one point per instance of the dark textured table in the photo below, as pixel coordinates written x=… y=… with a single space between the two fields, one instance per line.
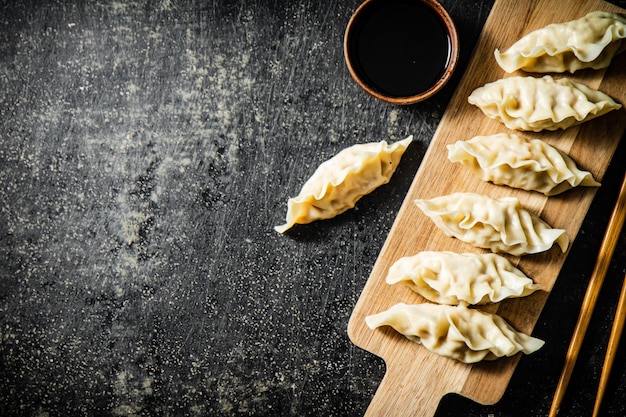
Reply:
x=147 y=150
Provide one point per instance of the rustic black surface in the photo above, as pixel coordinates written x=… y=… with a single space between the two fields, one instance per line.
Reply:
x=147 y=150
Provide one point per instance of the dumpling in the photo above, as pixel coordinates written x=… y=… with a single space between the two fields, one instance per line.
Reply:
x=589 y=42
x=501 y=225
x=455 y=278
x=536 y=104
x=456 y=332
x=529 y=164
x=341 y=181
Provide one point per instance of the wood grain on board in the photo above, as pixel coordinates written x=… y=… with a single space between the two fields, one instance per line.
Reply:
x=415 y=378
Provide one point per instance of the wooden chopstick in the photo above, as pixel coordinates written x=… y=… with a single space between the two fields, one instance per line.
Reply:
x=611 y=350
x=591 y=295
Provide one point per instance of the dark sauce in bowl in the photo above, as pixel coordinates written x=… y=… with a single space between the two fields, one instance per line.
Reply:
x=400 y=48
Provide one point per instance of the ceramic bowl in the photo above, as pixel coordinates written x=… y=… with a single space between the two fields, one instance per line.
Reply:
x=377 y=38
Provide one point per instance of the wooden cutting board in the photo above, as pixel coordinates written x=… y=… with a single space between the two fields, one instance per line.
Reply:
x=416 y=379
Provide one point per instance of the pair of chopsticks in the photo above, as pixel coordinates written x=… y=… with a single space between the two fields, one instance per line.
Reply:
x=607 y=248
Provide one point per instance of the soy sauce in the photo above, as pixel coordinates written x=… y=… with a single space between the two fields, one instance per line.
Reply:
x=399 y=47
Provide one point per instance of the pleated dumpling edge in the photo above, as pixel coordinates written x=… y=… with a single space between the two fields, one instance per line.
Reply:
x=541 y=103
x=517 y=162
x=500 y=225
x=457 y=332
x=554 y=48
x=339 y=182
x=446 y=277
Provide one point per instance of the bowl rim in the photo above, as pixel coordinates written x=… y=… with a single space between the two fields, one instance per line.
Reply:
x=450 y=27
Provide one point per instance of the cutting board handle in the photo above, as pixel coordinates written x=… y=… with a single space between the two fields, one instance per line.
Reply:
x=400 y=395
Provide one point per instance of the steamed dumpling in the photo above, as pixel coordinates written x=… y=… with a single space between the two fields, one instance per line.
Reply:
x=508 y=159
x=589 y=42
x=536 y=104
x=341 y=181
x=456 y=332
x=454 y=278
x=501 y=225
